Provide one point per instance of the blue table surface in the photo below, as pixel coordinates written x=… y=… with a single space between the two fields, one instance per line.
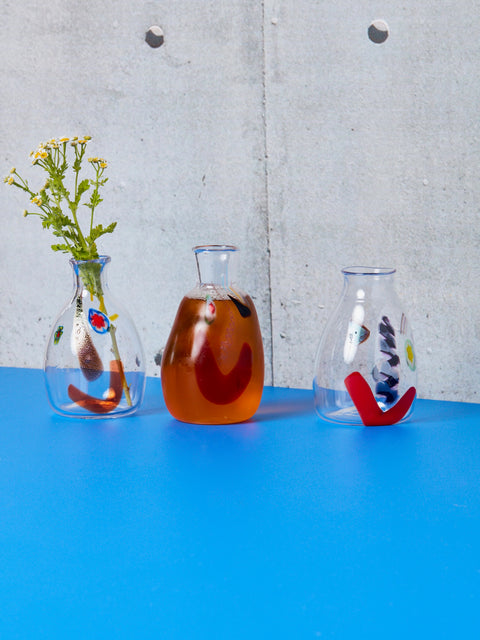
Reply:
x=282 y=527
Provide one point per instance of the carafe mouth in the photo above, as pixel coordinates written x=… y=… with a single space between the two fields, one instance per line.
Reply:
x=368 y=271
x=214 y=247
x=79 y=264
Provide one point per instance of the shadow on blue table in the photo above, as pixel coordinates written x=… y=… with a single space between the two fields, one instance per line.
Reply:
x=284 y=404
x=276 y=402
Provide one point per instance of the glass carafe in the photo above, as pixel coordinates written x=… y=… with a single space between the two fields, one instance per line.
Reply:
x=94 y=362
x=365 y=368
x=212 y=367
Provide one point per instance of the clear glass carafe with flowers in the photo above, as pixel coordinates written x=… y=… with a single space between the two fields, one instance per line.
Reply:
x=94 y=362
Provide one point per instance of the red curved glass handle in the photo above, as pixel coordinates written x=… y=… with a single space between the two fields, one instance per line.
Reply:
x=366 y=405
x=113 y=395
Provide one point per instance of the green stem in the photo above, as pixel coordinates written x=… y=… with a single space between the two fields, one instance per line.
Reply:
x=73 y=205
x=79 y=231
x=116 y=352
x=91 y=279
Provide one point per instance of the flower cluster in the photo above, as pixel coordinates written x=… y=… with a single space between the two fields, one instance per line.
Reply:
x=58 y=206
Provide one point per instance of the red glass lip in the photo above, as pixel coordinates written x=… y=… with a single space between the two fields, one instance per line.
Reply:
x=368 y=271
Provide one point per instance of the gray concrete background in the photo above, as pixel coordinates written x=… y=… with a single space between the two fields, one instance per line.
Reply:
x=277 y=126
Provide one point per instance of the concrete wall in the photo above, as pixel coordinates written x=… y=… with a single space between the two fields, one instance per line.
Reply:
x=277 y=126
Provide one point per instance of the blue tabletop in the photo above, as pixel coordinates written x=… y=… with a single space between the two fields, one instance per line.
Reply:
x=282 y=527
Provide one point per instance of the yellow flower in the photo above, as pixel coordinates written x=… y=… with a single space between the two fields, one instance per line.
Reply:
x=40 y=152
x=64 y=140
x=10 y=180
x=25 y=213
x=12 y=170
x=87 y=137
x=103 y=165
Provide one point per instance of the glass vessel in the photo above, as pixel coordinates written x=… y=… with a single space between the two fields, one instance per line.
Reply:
x=212 y=367
x=94 y=362
x=365 y=368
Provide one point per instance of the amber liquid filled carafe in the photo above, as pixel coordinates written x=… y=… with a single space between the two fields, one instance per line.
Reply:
x=212 y=366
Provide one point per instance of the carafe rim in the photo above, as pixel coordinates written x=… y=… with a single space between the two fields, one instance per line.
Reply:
x=214 y=247
x=368 y=271
x=104 y=259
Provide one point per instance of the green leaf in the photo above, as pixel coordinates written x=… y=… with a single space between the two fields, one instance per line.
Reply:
x=61 y=247
x=95 y=199
x=82 y=187
x=99 y=230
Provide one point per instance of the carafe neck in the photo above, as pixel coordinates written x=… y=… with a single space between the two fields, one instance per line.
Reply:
x=90 y=275
x=368 y=282
x=216 y=264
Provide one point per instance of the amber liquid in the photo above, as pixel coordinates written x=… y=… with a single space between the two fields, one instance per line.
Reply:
x=213 y=366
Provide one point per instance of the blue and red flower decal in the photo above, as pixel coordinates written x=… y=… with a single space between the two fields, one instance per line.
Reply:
x=98 y=321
